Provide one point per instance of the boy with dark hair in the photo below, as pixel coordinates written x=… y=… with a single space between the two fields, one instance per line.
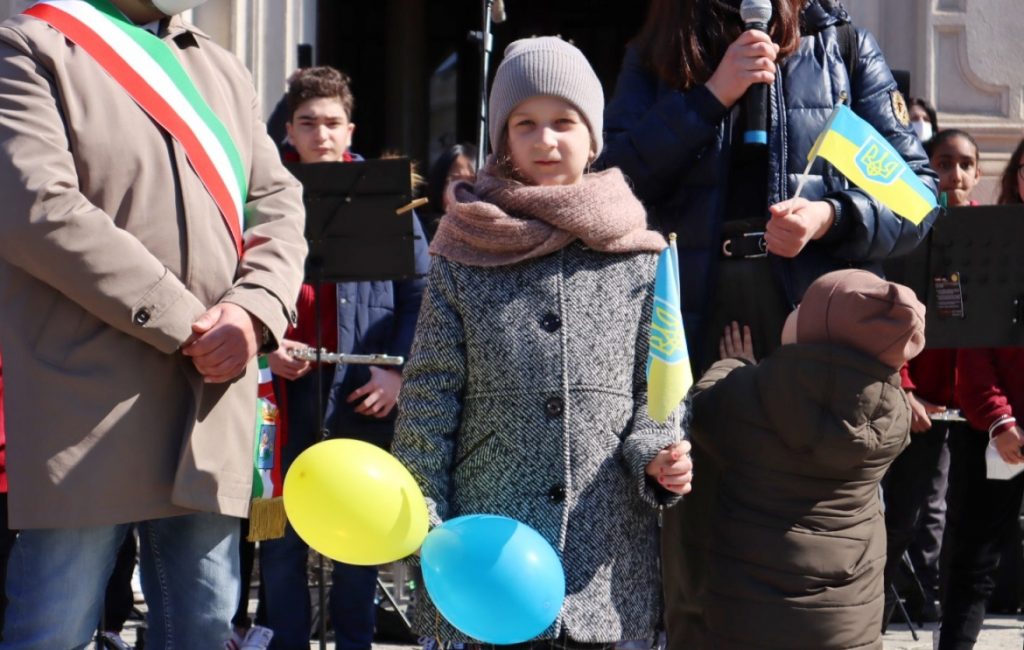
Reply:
x=320 y=106
x=323 y=82
x=357 y=318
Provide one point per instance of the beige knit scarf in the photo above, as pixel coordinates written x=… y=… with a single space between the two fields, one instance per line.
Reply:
x=497 y=222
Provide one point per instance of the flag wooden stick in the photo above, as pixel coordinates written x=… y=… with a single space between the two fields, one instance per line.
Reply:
x=677 y=426
x=814 y=154
x=800 y=186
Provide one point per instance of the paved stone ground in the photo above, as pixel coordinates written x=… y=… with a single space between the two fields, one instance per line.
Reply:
x=999 y=633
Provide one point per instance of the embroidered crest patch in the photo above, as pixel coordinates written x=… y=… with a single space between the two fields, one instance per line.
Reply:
x=899 y=107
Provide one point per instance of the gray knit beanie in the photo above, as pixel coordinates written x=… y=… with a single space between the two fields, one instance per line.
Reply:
x=545 y=65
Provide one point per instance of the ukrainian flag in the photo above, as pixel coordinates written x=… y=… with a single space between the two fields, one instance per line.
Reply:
x=867 y=159
x=668 y=361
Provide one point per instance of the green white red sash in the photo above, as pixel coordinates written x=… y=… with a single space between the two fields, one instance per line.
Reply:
x=151 y=74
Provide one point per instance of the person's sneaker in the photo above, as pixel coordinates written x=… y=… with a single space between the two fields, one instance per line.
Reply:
x=113 y=641
x=256 y=638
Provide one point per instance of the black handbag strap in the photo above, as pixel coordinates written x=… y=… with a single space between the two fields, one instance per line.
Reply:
x=847 y=35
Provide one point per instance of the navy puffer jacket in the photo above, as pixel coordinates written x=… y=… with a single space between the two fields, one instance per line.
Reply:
x=674 y=146
x=374 y=317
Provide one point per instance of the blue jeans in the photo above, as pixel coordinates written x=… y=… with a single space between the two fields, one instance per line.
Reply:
x=189 y=567
x=283 y=568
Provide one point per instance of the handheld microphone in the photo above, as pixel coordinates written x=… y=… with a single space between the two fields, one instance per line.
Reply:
x=756 y=14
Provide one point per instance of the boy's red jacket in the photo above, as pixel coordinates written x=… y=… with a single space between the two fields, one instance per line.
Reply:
x=304 y=331
x=990 y=385
x=932 y=375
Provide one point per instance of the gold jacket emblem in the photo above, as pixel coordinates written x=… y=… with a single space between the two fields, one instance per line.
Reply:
x=899 y=107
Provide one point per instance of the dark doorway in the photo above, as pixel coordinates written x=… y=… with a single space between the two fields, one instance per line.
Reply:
x=392 y=48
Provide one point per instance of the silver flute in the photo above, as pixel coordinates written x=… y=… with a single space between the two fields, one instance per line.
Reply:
x=309 y=354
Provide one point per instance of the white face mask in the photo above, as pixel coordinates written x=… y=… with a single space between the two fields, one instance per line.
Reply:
x=923 y=129
x=172 y=7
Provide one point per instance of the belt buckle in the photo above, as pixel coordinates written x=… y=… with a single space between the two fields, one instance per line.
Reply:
x=762 y=245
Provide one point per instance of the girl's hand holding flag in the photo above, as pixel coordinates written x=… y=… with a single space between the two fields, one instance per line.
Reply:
x=672 y=468
x=869 y=162
x=668 y=372
x=796 y=222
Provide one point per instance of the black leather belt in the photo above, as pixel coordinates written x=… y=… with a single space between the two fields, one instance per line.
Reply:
x=744 y=246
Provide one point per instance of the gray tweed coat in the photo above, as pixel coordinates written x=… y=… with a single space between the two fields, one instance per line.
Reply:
x=525 y=396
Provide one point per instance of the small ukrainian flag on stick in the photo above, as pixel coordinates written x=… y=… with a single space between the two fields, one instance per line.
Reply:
x=866 y=158
x=668 y=362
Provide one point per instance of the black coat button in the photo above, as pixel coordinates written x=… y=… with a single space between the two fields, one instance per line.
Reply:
x=551 y=322
x=141 y=317
x=556 y=494
x=554 y=407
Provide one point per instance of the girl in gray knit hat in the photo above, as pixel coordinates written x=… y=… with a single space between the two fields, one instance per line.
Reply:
x=525 y=394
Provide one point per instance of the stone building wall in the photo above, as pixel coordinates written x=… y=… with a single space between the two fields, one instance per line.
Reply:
x=966 y=58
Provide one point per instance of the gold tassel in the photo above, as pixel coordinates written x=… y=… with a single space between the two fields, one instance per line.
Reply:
x=266 y=519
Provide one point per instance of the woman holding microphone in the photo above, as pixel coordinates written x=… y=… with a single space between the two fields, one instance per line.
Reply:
x=677 y=127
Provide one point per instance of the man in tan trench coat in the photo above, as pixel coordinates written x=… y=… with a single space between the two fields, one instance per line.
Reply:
x=130 y=324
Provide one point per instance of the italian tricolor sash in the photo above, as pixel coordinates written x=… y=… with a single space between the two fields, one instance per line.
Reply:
x=151 y=74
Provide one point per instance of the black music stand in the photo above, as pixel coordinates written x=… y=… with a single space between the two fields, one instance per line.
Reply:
x=970 y=275
x=354 y=234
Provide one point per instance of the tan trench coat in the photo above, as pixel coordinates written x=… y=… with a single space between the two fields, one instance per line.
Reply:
x=110 y=247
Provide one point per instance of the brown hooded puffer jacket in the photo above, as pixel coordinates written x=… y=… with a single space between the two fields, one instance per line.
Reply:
x=798 y=536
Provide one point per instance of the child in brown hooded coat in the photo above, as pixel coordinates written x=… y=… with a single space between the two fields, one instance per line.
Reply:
x=802 y=440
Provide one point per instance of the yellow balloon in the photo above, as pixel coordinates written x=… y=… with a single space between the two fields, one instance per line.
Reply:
x=354 y=502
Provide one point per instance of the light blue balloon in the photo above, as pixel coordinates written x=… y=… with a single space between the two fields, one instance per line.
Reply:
x=493 y=578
